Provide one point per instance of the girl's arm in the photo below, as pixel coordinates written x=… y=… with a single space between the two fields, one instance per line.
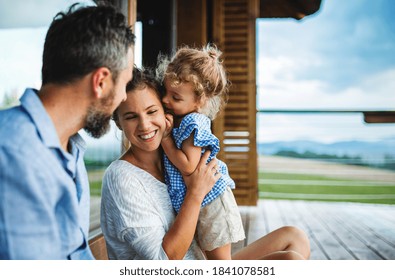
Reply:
x=178 y=239
x=185 y=159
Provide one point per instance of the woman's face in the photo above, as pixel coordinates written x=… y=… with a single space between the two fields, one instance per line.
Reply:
x=142 y=119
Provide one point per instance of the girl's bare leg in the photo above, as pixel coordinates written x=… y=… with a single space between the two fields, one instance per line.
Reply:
x=220 y=253
x=283 y=243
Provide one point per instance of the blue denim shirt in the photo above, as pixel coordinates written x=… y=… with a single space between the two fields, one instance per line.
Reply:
x=44 y=191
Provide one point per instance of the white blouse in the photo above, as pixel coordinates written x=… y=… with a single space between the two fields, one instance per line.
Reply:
x=136 y=213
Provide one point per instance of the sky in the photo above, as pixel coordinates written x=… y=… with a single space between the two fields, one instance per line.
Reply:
x=342 y=57
x=23 y=26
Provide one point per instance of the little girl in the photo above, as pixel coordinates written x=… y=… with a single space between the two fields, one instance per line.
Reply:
x=196 y=89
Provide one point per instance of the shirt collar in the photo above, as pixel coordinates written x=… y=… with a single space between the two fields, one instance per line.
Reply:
x=78 y=141
x=35 y=109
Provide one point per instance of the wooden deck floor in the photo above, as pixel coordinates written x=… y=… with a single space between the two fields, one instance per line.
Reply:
x=337 y=231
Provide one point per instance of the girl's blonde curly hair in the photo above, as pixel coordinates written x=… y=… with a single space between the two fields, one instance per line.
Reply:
x=204 y=69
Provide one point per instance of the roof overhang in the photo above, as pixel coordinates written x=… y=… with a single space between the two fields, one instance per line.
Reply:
x=296 y=9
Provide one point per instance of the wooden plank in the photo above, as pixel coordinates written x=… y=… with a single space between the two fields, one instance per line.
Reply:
x=98 y=247
x=191 y=23
x=235 y=38
x=235 y=49
x=132 y=13
x=237 y=69
x=386 y=213
x=236 y=32
x=337 y=220
x=256 y=223
x=292 y=213
x=236 y=122
x=237 y=163
x=241 y=88
x=370 y=236
x=243 y=184
x=273 y=217
x=230 y=156
x=238 y=146
x=326 y=235
x=379 y=117
x=237 y=22
x=294 y=217
x=239 y=106
x=94 y=216
x=238 y=97
x=317 y=252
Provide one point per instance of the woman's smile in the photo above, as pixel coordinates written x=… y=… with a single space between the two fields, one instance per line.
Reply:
x=148 y=136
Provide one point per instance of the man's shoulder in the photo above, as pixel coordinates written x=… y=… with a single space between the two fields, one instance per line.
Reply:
x=16 y=128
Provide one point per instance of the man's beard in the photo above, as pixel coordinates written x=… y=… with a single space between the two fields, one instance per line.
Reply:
x=97 y=121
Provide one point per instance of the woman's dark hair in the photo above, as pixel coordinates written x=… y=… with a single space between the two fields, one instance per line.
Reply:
x=84 y=39
x=142 y=78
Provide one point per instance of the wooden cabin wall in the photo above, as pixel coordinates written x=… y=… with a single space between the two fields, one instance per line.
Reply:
x=231 y=26
x=191 y=23
x=236 y=34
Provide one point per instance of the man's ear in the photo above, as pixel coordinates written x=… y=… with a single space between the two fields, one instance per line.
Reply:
x=101 y=81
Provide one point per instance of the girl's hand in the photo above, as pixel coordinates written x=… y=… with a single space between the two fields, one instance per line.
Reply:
x=202 y=180
x=169 y=125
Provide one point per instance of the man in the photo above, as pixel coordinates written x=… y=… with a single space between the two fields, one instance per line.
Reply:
x=44 y=189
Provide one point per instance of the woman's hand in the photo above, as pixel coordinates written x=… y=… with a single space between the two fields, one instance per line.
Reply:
x=202 y=180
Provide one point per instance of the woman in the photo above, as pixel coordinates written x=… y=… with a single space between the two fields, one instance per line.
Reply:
x=137 y=217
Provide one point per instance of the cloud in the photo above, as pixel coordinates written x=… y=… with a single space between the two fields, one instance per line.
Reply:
x=339 y=58
x=32 y=13
x=345 y=43
x=21 y=67
x=326 y=128
x=288 y=92
x=342 y=58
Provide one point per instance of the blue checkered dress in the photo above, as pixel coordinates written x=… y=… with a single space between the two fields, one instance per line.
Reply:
x=198 y=124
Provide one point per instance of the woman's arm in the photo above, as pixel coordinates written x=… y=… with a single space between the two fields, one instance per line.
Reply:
x=179 y=238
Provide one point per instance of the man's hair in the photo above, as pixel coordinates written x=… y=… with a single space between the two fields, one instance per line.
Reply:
x=84 y=39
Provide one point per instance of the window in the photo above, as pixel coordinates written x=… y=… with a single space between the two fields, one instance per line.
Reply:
x=315 y=78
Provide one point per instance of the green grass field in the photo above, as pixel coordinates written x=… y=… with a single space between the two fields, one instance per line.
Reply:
x=95 y=188
x=313 y=187
x=308 y=187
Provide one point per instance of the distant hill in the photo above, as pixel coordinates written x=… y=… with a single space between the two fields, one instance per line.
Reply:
x=106 y=150
x=369 y=151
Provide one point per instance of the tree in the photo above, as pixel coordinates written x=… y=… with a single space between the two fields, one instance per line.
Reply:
x=10 y=98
